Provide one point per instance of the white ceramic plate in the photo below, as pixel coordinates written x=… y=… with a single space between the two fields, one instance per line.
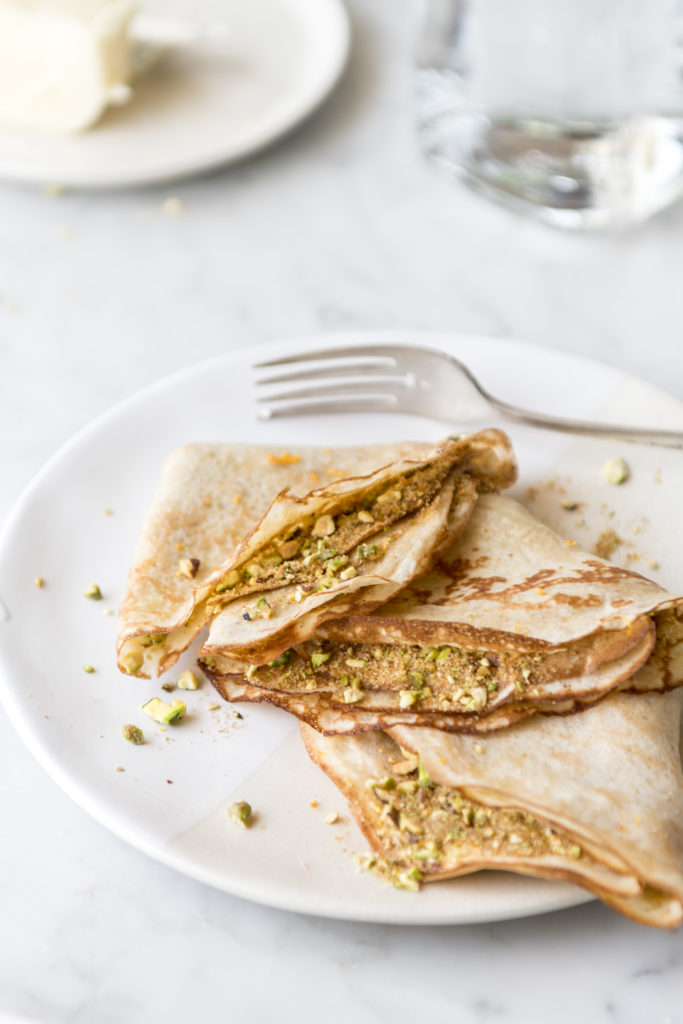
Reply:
x=203 y=107
x=71 y=720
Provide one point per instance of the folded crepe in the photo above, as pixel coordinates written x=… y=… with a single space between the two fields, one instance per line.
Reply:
x=513 y=621
x=214 y=550
x=594 y=799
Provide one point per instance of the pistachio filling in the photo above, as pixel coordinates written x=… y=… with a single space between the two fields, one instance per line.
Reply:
x=423 y=828
x=328 y=547
x=441 y=678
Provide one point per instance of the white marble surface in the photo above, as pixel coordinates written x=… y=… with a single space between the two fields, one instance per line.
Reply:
x=340 y=226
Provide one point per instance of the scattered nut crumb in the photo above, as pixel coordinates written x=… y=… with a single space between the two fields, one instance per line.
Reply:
x=314 y=803
x=107 y=611
x=331 y=819
x=109 y=511
x=39 y=582
x=570 y=506
x=133 y=734
x=168 y=687
x=653 y=564
x=607 y=543
x=119 y=768
x=173 y=207
x=478 y=748
x=89 y=669
x=93 y=593
x=213 y=707
x=658 y=475
x=53 y=190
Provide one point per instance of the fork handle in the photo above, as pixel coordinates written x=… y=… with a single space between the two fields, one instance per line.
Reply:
x=632 y=435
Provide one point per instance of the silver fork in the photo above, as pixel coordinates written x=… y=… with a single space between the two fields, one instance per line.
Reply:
x=412 y=379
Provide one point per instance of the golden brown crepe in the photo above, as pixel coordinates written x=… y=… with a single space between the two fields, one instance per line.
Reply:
x=594 y=799
x=512 y=621
x=350 y=543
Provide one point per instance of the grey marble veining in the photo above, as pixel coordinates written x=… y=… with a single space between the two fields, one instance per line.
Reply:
x=341 y=225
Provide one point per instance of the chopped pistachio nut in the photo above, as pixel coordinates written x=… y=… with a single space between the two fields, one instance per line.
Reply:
x=39 y=582
x=93 y=593
x=331 y=819
x=187 y=680
x=168 y=687
x=323 y=527
x=615 y=471
x=319 y=658
x=406 y=698
x=281 y=660
x=213 y=706
x=132 y=662
x=409 y=879
x=423 y=778
x=365 y=517
x=160 y=711
x=230 y=581
x=188 y=567
x=88 y=668
x=264 y=609
x=352 y=695
x=241 y=813
x=356 y=663
x=133 y=734
x=348 y=573
x=254 y=570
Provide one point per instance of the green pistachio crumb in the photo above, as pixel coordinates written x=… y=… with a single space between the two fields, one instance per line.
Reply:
x=264 y=609
x=416 y=680
x=133 y=734
x=241 y=813
x=168 y=687
x=93 y=593
x=319 y=658
x=423 y=778
x=615 y=471
x=444 y=653
x=281 y=660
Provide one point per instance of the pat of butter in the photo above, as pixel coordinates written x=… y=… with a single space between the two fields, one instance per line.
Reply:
x=62 y=62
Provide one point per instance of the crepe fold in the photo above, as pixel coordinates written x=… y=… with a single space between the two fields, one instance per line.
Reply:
x=514 y=621
x=593 y=799
x=226 y=541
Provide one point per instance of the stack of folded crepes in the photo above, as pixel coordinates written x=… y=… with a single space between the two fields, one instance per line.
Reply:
x=417 y=600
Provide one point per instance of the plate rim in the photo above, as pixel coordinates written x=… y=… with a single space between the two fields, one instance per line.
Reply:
x=542 y=902
x=336 y=12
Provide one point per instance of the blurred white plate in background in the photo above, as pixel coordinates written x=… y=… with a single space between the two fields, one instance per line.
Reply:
x=201 y=106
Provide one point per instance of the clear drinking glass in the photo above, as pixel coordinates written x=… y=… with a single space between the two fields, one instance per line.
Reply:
x=570 y=111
